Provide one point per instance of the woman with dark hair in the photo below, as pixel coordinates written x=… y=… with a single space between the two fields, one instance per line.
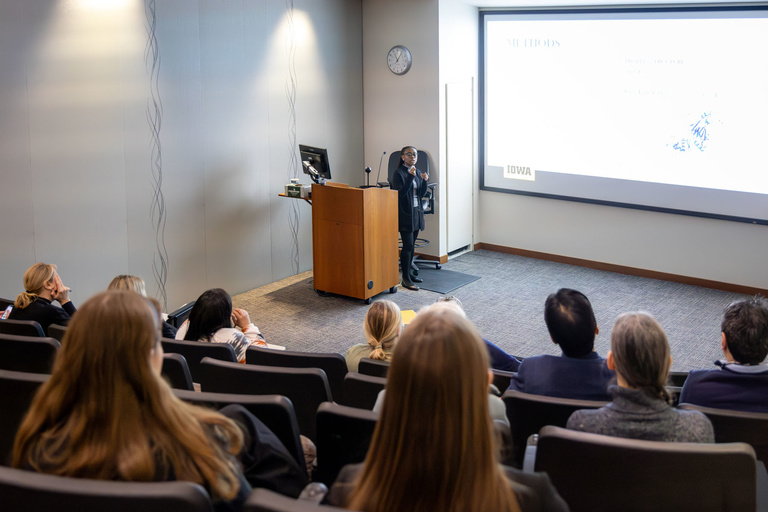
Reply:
x=106 y=414
x=434 y=447
x=640 y=408
x=42 y=285
x=211 y=320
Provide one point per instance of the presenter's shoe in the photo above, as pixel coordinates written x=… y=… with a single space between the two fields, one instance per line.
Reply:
x=415 y=279
x=409 y=285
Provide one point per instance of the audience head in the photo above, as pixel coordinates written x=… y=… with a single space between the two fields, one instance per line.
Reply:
x=451 y=299
x=211 y=312
x=39 y=279
x=745 y=330
x=640 y=353
x=383 y=324
x=435 y=424
x=106 y=413
x=571 y=322
x=130 y=283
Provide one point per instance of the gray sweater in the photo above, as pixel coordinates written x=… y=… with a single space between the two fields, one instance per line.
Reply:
x=636 y=414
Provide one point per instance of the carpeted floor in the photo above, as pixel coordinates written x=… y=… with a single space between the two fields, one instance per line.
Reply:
x=506 y=304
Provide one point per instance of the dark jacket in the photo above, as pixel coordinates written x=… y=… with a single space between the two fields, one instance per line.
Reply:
x=734 y=386
x=582 y=378
x=409 y=218
x=45 y=313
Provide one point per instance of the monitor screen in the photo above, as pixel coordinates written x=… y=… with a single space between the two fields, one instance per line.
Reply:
x=315 y=162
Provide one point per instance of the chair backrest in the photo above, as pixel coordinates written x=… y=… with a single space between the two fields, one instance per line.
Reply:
x=306 y=388
x=501 y=379
x=677 y=379
x=4 y=303
x=343 y=437
x=21 y=328
x=528 y=413
x=275 y=411
x=37 y=492
x=334 y=365
x=176 y=371
x=375 y=367
x=264 y=500
x=176 y=318
x=57 y=331
x=738 y=427
x=195 y=351
x=361 y=390
x=27 y=353
x=599 y=473
x=16 y=392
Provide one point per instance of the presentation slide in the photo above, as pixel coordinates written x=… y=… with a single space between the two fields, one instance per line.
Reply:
x=658 y=109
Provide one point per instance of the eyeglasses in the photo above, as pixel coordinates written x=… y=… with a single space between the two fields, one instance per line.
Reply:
x=411 y=154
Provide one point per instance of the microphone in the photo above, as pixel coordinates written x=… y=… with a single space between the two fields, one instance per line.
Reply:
x=379 y=173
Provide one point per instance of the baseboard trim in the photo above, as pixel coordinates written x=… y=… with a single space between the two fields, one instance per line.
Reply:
x=621 y=269
x=440 y=259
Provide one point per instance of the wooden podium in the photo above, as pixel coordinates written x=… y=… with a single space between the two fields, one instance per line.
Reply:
x=354 y=240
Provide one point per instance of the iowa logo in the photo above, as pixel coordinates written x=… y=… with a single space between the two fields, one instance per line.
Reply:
x=519 y=172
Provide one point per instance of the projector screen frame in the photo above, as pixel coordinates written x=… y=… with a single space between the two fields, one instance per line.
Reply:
x=598 y=10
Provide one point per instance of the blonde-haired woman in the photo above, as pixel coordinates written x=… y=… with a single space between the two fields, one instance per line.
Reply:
x=136 y=284
x=105 y=413
x=383 y=324
x=640 y=409
x=42 y=286
x=434 y=446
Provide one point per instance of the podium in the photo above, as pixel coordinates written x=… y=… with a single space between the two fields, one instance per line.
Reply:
x=354 y=240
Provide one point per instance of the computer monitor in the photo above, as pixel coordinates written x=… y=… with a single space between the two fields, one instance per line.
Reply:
x=315 y=163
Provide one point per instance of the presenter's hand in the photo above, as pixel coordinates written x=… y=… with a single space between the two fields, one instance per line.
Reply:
x=240 y=318
x=412 y=170
x=424 y=176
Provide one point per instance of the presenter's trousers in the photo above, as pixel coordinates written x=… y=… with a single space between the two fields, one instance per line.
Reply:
x=406 y=254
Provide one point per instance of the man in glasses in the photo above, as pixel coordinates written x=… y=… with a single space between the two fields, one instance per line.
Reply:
x=411 y=185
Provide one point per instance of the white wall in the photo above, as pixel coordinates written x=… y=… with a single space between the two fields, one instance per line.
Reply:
x=75 y=144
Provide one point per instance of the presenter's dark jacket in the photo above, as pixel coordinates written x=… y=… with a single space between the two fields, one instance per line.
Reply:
x=410 y=218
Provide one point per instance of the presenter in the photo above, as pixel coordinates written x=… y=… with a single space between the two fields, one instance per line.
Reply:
x=411 y=185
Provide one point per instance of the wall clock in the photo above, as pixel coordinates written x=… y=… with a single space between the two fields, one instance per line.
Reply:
x=399 y=59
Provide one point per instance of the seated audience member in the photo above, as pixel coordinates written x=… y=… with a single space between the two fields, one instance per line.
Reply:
x=496 y=407
x=106 y=414
x=136 y=284
x=211 y=320
x=741 y=382
x=579 y=372
x=433 y=447
x=640 y=408
x=383 y=324
x=42 y=286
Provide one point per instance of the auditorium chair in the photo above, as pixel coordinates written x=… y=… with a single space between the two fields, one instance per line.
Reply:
x=599 y=473
x=176 y=372
x=501 y=379
x=37 y=492
x=27 y=353
x=334 y=365
x=738 y=426
x=677 y=379
x=306 y=388
x=195 y=351
x=57 y=331
x=16 y=392
x=374 y=367
x=275 y=411
x=343 y=436
x=21 y=328
x=4 y=303
x=528 y=413
x=264 y=500
x=176 y=318
x=361 y=391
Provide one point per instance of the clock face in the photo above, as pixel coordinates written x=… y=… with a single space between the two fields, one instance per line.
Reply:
x=399 y=60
